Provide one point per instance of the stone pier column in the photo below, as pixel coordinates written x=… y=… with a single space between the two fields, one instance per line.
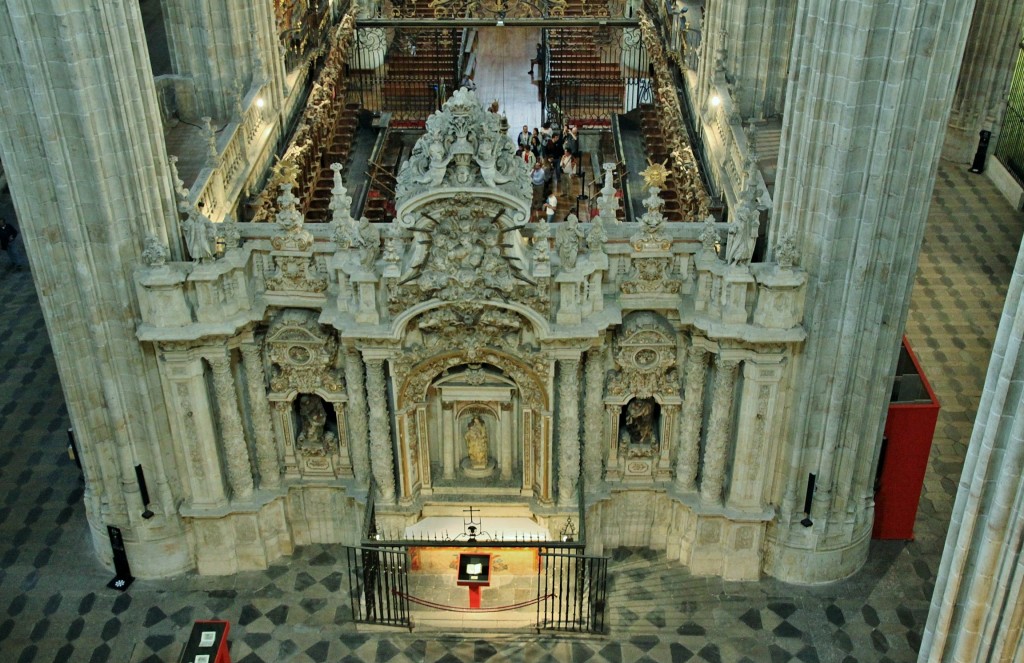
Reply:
x=593 y=419
x=236 y=453
x=688 y=456
x=217 y=44
x=758 y=40
x=985 y=74
x=712 y=477
x=263 y=429
x=358 y=425
x=976 y=612
x=86 y=199
x=382 y=455
x=568 y=430
x=866 y=110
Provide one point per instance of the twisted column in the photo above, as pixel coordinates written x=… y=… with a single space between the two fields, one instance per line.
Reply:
x=382 y=457
x=593 y=422
x=688 y=455
x=236 y=453
x=358 y=426
x=568 y=430
x=266 y=449
x=719 y=430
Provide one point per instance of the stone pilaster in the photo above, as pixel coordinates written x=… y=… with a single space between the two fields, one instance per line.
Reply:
x=382 y=456
x=712 y=476
x=752 y=460
x=358 y=426
x=976 y=612
x=593 y=419
x=262 y=427
x=985 y=73
x=568 y=430
x=866 y=110
x=85 y=201
x=236 y=452
x=219 y=44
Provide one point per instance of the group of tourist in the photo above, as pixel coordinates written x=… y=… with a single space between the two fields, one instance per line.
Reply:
x=553 y=161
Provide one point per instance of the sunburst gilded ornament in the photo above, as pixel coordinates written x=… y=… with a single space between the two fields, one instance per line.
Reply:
x=655 y=175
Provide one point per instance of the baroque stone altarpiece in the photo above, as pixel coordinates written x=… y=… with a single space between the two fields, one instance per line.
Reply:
x=462 y=353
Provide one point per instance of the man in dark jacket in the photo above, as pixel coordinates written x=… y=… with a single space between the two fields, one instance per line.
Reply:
x=553 y=151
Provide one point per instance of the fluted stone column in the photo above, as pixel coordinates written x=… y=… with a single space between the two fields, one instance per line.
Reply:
x=382 y=456
x=219 y=44
x=568 y=430
x=236 y=453
x=757 y=43
x=712 y=476
x=866 y=109
x=977 y=614
x=985 y=74
x=593 y=419
x=688 y=456
x=85 y=201
x=263 y=429
x=358 y=426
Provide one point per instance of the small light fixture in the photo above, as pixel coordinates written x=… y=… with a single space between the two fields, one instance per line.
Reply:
x=715 y=100
x=259 y=102
x=500 y=23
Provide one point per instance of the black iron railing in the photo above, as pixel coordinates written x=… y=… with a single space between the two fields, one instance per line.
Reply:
x=574 y=588
x=1010 y=149
x=379 y=585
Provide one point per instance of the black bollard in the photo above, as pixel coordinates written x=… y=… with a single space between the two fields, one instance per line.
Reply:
x=123 y=577
x=979 y=157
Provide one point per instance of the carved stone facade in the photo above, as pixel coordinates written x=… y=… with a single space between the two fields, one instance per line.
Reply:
x=454 y=354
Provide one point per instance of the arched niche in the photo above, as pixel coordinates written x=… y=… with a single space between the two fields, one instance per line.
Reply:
x=642 y=401
x=437 y=400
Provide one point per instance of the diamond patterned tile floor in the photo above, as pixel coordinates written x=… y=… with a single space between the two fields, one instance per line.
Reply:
x=54 y=605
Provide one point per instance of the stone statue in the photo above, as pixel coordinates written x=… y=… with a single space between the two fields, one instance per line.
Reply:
x=476 y=442
x=640 y=421
x=568 y=238
x=312 y=436
x=199 y=234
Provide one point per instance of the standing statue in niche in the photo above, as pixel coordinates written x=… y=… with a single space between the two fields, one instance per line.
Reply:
x=568 y=238
x=640 y=421
x=476 y=442
x=313 y=438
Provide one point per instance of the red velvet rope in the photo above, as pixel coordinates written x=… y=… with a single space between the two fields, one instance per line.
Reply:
x=451 y=608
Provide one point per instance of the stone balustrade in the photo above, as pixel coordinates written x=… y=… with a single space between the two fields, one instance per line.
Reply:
x=763 y=302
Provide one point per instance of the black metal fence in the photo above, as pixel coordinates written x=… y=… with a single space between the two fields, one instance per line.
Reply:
x=592 y=73
x=404 y=71
x=379 y=585
x=1010 y=149
x=575 y=591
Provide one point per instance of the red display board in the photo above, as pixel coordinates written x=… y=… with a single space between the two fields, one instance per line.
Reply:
x=909 y=429
x=208 y=643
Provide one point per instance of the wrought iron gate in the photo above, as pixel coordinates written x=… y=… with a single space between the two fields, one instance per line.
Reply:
x=574 y=588
x=379 y=585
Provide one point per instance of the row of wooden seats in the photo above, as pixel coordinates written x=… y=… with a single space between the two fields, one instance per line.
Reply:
x=653 y=134
x=337 y=150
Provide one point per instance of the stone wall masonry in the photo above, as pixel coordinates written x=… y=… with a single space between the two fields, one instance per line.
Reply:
x=81 y=137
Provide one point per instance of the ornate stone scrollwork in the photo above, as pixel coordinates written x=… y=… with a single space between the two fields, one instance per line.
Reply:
x=467 y=248
x=652 y=262
x=295 y=266
x=302 y=354
x=646 y=359
x=464 y=146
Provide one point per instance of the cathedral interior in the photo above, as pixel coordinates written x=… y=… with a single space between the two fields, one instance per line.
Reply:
x=308 y=346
